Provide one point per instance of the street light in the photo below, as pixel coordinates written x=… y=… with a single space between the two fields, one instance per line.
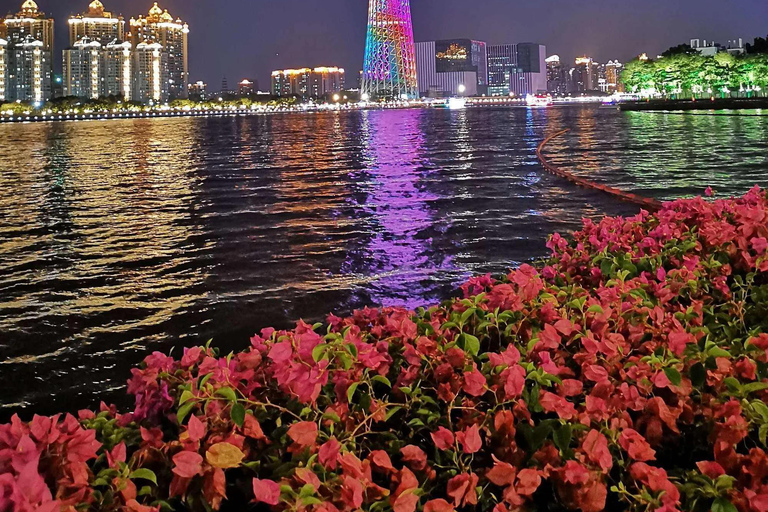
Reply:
x=462 y=88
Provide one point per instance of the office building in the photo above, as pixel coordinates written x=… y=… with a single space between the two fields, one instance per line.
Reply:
x=96 y=24
x=307 y=83
x=502 y=63
x=531 y=73
x=29 y=54
x=172 y=35
x=453 y=67
x=151 y=70
x=557 y=76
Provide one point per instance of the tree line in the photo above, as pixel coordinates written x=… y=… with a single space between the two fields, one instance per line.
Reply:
x=683 y=71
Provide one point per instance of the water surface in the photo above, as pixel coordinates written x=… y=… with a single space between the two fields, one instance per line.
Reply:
x=122 y=237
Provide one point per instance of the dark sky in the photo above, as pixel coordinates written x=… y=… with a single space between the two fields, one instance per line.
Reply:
x=240 y=38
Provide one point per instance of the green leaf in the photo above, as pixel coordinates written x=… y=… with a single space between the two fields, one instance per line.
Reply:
x=184 y=411
x=144 y=474
x=392 y=412
x=673 y=375
x=383 y=380
x=733 y=385
x=471 y=344
x=319 y=351
x=351 y=391
x=227 y=393
x=308 y=501
x=698 y=375
x=761 y=409
x=563 y=437
x=723 y=505
x=238 y=414
x=306 y=491
x=753 y=387
x=186 y=396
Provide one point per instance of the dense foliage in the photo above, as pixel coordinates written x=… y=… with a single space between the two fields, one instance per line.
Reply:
x=682 y=74
x=627 y=373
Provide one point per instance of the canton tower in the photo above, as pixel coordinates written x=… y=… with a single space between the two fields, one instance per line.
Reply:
x=389 y=70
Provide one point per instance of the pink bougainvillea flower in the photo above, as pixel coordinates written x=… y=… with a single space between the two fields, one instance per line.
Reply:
x=266 y=491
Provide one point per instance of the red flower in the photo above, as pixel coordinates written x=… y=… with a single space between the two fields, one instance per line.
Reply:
x=462 y=489
x=329 y=453
x=636 y=446
x=502 y=473
x=438 y=505
x=381 y=460
x=528 y=480
x=266 y=491
x=470 y=439
x=595 y=447
x=474 y=382
x=443 y=438
x=415 y=457
x=303 y=433
x=187 y=464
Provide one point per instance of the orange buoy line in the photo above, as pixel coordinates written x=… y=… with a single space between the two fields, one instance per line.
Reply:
x=646 y=202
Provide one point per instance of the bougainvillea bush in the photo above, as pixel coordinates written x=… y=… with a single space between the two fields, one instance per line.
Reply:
x=628 y=372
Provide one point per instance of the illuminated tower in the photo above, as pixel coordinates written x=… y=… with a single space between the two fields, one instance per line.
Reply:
x=389 y=70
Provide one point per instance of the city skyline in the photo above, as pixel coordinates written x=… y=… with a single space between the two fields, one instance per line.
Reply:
x=261 y=39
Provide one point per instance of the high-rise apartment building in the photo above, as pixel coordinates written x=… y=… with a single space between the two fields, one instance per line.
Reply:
x=198 y=91
x=96 y=24
x=151 y=71
x=82 y=66
x=557 y=81
x=613 y=70
x=3 y=68
x=29 y=36
x=172 y=35
x=583 y=76
x=452 y=67
x=117 y=70
x=307 y=83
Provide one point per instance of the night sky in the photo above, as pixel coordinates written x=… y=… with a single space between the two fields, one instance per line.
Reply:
x=249 y=38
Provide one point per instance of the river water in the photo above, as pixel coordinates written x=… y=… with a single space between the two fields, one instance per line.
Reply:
x=118 y=238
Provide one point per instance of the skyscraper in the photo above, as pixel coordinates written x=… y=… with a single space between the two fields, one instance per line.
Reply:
x=151 y=70
x=97 y=24
x=531 y=74
x=557 y=82
x=613 y=76
x=172 y=36
x=307 y=83
x=3 y=68
x=82 y=69
x=502 y=62
x=389 y=69
x=29 y=35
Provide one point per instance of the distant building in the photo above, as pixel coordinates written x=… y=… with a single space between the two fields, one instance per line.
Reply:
x=117 y=65
x=96 y=24
x=531 y=74
x=711 y=48
x=246 y=88
x=557 y=81
x=613 y=70
x=82 y=69
x=198 y=91
x=452 y=67
x=29 y=54
x=583 y=76
x=172 y=35
x=502 y=63
x=307 y=83
x=150 y=80
x=3 y=68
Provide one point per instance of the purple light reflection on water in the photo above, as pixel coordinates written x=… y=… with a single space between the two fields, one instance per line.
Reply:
x=399 y=255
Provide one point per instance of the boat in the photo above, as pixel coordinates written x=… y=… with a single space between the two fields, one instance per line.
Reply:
x=539 y=100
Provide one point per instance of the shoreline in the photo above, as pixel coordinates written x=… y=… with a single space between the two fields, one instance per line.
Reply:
x=693 y=105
